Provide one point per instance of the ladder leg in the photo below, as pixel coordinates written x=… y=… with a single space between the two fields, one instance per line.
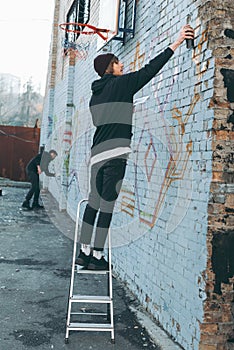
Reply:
x=73 y=269
x=110 y=287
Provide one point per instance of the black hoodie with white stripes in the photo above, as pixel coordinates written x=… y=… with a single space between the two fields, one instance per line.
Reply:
x=111 y=106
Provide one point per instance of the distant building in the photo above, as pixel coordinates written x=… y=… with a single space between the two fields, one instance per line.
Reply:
x=9 y=95
x=9 y=84
x=18 y=108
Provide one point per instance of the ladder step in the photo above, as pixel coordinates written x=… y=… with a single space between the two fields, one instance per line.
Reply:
x=89 y=313
x=91 y=299
x=92 y=272
x=90 y=326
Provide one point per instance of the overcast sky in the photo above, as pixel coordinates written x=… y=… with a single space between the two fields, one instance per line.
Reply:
x=25 y=34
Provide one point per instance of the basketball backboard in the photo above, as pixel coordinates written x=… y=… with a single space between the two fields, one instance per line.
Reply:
x=108 y=19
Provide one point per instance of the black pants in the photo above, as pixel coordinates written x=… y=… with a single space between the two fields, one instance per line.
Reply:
x=106 y=181
x=35 y=188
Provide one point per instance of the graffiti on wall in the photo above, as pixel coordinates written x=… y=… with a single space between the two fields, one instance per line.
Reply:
x=201 y=66
x=179 y=148
x=179 y=152
x=138 y=60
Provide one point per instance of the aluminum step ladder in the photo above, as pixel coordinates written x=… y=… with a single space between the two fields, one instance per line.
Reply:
x=75 y=299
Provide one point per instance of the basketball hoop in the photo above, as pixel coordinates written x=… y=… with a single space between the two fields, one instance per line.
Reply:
x=89 y=29
x=79 y=47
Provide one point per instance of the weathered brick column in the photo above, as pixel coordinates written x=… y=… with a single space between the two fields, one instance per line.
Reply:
x=217 y=331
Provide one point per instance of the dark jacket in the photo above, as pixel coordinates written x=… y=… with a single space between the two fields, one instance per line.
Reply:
x=42 y=159
x=33 y=163
x=111 y=104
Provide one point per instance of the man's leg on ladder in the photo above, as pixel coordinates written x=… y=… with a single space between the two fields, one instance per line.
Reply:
x=112 y=177
x=89 y=217
x=86 y=235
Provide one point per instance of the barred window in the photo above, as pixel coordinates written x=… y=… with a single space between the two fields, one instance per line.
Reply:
x=79 y=12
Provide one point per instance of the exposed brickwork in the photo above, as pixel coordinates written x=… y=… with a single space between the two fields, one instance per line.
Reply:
x=54 y=48
x=217 y=329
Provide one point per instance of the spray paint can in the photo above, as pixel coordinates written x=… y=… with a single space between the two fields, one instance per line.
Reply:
x=189 y=42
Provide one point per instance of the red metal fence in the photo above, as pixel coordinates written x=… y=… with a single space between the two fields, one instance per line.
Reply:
x=18 y=145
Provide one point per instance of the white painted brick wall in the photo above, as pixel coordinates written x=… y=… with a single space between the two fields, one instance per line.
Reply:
x=165 y=254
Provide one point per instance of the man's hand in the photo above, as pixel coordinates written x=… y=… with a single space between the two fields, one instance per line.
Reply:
x=39 y=169
x=186 y=32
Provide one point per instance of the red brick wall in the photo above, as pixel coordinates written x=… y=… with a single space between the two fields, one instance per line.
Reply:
x=17 y=146
x=217 y=330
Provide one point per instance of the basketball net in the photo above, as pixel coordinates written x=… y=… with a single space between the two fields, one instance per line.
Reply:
x=79 y=48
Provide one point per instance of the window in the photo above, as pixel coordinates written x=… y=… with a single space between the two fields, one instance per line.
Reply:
x=79 y=13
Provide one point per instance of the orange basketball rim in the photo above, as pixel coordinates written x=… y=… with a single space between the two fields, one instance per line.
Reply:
x=93 y=29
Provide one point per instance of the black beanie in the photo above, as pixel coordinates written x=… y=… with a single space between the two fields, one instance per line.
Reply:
x=53 y=151
x=101 y=63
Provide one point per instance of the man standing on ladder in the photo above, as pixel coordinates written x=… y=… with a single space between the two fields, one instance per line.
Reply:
x=111 y=106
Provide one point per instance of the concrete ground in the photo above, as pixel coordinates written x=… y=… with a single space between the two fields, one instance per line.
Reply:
x=35 y=260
